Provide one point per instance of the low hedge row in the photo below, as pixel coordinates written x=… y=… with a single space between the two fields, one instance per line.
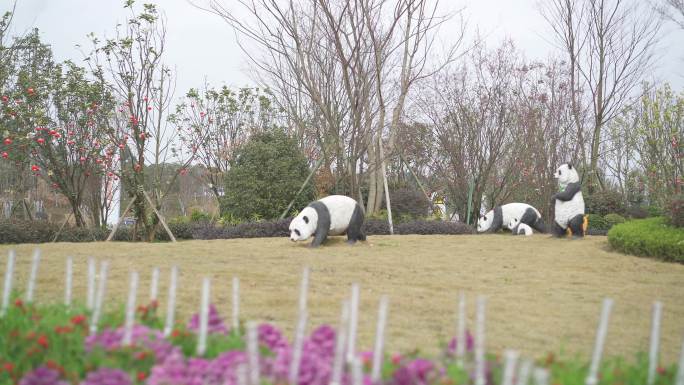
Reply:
x=41 y=232
x=651 y=237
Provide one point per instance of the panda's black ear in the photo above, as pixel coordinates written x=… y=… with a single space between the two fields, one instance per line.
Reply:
x=306 y=219
x=485 y=217
x=569 y=166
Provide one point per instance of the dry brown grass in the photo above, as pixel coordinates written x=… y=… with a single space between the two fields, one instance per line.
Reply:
x=544 y=294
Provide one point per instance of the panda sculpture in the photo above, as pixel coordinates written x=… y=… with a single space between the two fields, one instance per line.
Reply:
x=569 y=203
x=518 y=228
x=494 y=220
x=332 y=215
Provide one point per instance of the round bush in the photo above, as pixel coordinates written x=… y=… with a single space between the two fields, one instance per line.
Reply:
x=409 y=203
x=651 y=237
x=605 y=202
x=265 y=176
x=614 y=219
x=597 y=222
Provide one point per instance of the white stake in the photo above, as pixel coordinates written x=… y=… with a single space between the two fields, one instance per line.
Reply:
x=461 y=339
x=357 y=371
x=154 y=284
x=99 y=300
x=353 y=322
x=524 y=372
x=592 y=378
x=9 y=274
x=379 y=339
x=655 y=342
x=204 y=317
x=90 y=299
x=171 y=302
x=35 y=261
x=541 y=376
x=480 y=341
x=236 y=304
x=68 y=281
x=253 y=353
x=297 y=348
x=304 y=289
x=130 y=309
x=340 y=342
x=680 y=370
x=509 y=368
x=241 y=374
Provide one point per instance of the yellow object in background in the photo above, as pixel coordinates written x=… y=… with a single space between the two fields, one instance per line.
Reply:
x=585 y=225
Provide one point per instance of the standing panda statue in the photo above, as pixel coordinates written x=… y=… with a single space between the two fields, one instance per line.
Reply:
x=332 y=215
x=569 y=203
x=494 y=220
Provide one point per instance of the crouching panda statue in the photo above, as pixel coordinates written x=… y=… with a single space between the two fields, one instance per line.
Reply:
x=569 y=203
x=332 y=215
x=494 y=220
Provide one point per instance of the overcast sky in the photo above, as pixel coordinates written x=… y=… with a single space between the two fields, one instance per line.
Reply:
x=201 y=45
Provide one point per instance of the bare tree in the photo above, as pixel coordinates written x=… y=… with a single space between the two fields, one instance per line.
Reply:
x=672 y=10
x=610 y=45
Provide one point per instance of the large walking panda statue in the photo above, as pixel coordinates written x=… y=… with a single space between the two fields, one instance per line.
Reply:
x=332 y=215
x=495 y=220
x=569 y=203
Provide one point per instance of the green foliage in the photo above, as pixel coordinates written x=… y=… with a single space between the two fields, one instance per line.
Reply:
x=265 y=176
x=598 y=222
x=605 y=202
x=408 y=204
x=675 y=210
x=614 y=219
x=651 y=237
x=199 y=216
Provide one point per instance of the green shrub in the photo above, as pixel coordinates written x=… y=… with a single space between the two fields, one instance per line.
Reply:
x=651 y=237
x=408 y=204
x=654 y=211
x=199 y=216
x=605 y=202
x=597 y=222
x=614 y=219
x=675 y=210
x=264 y=177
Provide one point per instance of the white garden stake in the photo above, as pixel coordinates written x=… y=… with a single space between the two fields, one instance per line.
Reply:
x=130 y=309
x=304 y=289
x=379 y=339
x=461 y=330
x=253 y=353
x=541 y=376
x=68 y=281
x=340 y=342
x=297 y=348
x=35 y=261
x=509 y=368
x=9 y=274
x=90 y=299
x=357 y=371
x=204 y=317
x=99 y=299
x=353 y=322
x=171 y=301
x=655 y=342
x=154 y=284
x=241 y=374
x=524 y=372
x=592 y=378
x=480 y=341
x=236 y=304
x=680 y=371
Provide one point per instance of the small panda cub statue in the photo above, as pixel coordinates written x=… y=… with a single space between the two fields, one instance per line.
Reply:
x=518 y=228
x=569 y=203
x=332 y=215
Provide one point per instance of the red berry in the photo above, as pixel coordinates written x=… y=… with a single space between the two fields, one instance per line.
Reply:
x=141 y=376
x=5 y=155
x=30 y=91
x=8 y=141
x=35 y=168
x=40 y=140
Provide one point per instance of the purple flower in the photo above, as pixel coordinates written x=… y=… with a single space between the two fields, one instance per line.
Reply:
x=42 y=376
x=470 y=344
x=107 y=376
x=110 y=339
x=322 y=342
x=272 y=338
x=176 y=370
x=215 y=323
x=416 y=372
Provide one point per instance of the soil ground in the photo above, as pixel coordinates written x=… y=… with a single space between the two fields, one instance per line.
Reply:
x=544 y=295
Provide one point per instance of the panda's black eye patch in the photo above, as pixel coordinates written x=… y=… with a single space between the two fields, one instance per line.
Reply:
x=306 y=219
x=485 y=218
x=297 y=231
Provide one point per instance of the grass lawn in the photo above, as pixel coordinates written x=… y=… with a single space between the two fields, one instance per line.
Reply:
x=544 y=294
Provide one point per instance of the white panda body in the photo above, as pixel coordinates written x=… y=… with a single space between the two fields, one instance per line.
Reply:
x=569 y=202
x=565 y=211
x=503 y=215
x=332 y=215
x=518 y=228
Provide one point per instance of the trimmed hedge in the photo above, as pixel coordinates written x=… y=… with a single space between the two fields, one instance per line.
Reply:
x=651 y=237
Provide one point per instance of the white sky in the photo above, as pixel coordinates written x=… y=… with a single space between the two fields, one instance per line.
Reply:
x=202 y=46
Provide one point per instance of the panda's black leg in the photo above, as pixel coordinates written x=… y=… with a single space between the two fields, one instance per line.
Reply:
x=576 y=226
x=557 y=231
x=539 y=226
x=515 y=230
x=355 y=230
x=319 y=238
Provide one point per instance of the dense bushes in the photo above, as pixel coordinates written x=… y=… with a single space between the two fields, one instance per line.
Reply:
x=409 y=203
x=597 y=222
x=605 y=202
x=650 y=237
x=265 y=176
x=675 y=210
